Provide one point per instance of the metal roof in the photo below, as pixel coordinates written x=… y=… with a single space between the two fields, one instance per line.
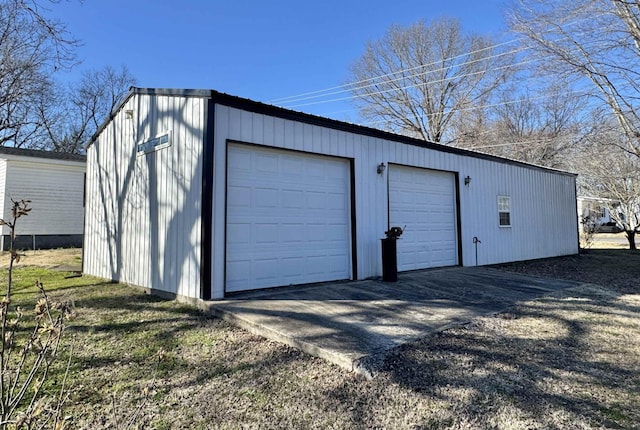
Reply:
x=37 y=153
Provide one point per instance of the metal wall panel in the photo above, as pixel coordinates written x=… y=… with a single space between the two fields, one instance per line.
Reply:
x=542 y=201
x=144 y=210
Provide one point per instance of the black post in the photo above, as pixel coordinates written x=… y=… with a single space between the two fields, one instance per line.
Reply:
x=389 y=259
x=476 y=241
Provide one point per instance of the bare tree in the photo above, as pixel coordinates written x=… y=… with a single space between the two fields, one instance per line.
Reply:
x=595 y=40
x=416 y=79
x=613 y=175
x=540 y=129
x=32 y=47
x=541 y=126
x=71 y=118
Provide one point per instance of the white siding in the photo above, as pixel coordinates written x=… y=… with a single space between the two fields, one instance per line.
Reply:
x=55 y=189
x=542 y=202
x=3 y=177
x=143 y=223
x=144 y=211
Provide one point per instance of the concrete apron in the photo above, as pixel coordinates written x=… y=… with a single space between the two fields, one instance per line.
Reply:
x=355 y=324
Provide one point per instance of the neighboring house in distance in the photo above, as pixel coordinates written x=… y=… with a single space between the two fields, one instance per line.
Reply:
x=54 y=182
x=198 y=194
x=594 y=215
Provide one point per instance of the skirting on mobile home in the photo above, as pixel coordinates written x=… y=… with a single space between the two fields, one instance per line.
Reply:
x=199 y=195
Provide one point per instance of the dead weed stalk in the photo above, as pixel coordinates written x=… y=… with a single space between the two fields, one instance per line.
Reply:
x=31 y=343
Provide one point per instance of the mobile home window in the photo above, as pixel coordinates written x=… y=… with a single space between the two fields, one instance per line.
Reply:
x=504 y=211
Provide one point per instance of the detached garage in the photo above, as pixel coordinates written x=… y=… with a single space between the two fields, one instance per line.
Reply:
x=200 y=195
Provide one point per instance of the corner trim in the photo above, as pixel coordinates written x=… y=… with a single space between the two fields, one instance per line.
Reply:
x=353 y=219
x=206 y=199
x=458 y=219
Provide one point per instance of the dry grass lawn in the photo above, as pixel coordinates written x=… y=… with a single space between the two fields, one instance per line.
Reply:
x=46 y=258
x=567 y=361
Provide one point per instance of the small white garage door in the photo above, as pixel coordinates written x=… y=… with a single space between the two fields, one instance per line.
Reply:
x=423 y=200
x=288 y=218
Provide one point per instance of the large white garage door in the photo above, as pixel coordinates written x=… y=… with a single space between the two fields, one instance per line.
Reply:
x=423 y=200
x=288 y=218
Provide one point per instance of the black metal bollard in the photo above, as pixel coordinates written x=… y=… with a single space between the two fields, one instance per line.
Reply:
x=389 y=259
x=390 y=254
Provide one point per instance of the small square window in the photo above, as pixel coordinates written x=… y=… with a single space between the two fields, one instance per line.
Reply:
x=504 y=211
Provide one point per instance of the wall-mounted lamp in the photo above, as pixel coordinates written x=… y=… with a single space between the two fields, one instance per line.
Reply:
x=381 y=168
x=467 y=180
x=128 y=114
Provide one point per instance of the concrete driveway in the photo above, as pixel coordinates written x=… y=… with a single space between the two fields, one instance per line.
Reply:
x=354 y=324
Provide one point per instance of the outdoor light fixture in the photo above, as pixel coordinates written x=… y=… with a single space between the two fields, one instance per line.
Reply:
x=128 y=114
x=467 y=180
x=381 y=168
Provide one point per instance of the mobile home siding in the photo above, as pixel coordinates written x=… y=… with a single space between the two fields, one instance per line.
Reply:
x=3 y=197
x=144 y=210
x=3 y=175
x=53 y=182
x=55 y=191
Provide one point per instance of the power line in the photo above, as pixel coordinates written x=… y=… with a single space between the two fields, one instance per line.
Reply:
x=352 y=86
x=339 y=89
x=504 y=103
x=370 y=94
x=401 y=78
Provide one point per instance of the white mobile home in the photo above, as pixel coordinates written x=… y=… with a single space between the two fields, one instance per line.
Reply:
x=199 y=194
x=54 y=182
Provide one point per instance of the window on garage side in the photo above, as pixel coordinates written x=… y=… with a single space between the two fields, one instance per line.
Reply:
x=504 y=211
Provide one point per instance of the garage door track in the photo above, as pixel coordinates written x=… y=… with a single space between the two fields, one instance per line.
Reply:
x=354 y=324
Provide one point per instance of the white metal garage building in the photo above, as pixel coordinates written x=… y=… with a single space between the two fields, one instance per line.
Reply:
x=198 y=194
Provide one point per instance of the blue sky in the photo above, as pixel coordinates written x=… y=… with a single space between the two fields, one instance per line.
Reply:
x=260 y=49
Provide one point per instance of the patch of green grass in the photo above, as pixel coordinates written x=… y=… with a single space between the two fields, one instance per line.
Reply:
x=615 y=413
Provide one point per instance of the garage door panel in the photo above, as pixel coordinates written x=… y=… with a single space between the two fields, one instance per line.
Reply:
x=266 y=164
x=293 y=227
x=336 y=202
x=424 y=201
x=239 y=197
x=292 y=169
x=292 y=199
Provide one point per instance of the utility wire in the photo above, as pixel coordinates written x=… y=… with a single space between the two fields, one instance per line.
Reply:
x=369 y=94
x=379 y=78
x=507 y=102
x=374 y=93
x=401 y=78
